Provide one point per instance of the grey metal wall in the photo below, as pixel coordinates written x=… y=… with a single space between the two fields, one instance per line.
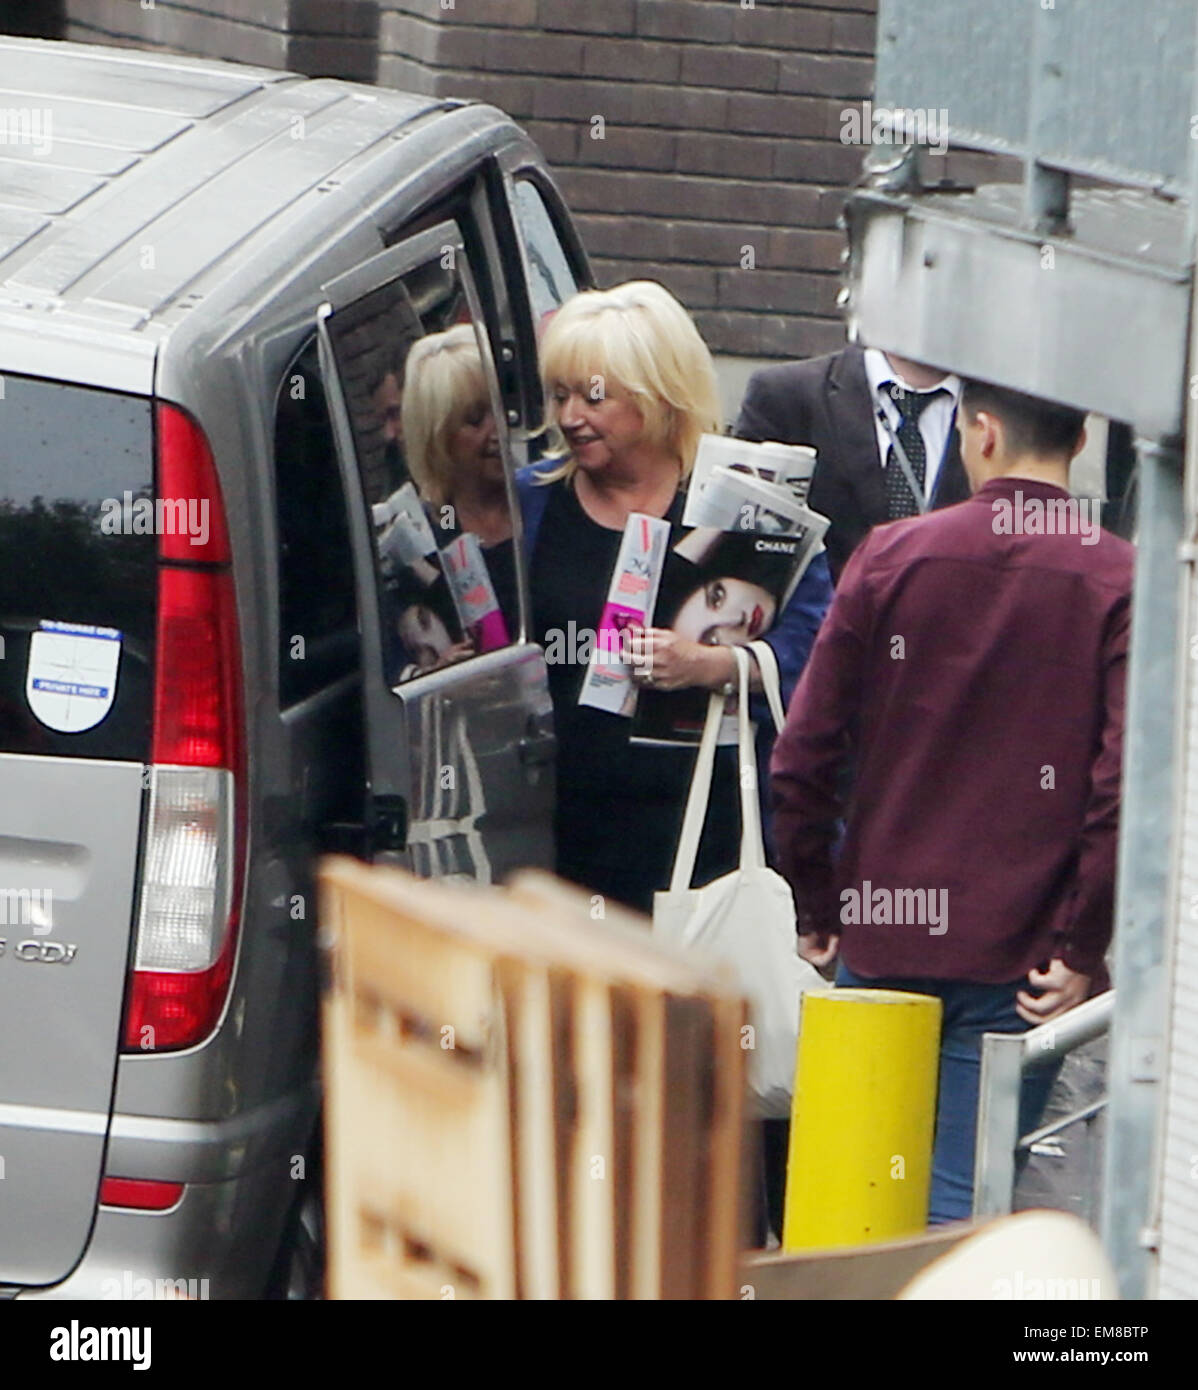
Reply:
x=1178 y=1271
x=1093 y=86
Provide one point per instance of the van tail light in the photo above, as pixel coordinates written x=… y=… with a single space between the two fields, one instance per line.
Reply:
x=195 y=687
x=139 y=1194
x=193 y=512
x=194 y=852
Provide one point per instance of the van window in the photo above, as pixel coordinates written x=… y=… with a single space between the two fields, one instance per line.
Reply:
x=551 y=281
x=419 y=385
x=77 y=571
x=318 y=625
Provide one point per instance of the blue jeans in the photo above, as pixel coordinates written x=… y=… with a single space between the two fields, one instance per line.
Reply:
x=969 y=1010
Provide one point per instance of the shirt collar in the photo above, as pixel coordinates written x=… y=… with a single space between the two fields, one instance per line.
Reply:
x=878 y=370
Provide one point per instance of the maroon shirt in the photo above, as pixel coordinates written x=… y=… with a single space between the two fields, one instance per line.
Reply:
x=975 y=679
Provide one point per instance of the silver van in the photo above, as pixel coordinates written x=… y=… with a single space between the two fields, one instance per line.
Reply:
x=211 y=278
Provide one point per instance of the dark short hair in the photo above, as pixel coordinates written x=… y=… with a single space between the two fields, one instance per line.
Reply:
x=1033 y=426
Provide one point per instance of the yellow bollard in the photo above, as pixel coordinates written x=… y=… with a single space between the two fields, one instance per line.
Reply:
x=859 y=1167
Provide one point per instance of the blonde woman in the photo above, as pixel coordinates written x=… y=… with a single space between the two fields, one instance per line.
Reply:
x=631 y=388
x=449 y=433
x=453 y=452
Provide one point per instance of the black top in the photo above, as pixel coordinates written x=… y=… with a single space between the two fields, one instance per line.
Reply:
x=620 y=804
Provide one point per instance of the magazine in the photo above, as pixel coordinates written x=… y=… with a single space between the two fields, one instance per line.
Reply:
x=437 y=598
x=738 y=485
x=473 y=592
x=752 y=537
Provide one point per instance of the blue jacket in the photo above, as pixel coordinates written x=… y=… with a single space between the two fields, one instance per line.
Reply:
x=791 y=636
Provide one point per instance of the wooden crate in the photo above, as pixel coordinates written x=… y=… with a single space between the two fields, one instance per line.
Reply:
x=520 y=1101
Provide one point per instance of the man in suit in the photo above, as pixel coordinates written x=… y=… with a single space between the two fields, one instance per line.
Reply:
x=971 y=668
x=851 y=407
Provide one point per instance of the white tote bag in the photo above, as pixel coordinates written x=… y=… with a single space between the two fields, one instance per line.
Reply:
x=747 y=917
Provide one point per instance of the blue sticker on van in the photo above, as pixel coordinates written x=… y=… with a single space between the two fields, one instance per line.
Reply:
x=71 y=677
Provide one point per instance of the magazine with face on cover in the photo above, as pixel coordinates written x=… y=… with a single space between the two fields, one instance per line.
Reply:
x=725 y=583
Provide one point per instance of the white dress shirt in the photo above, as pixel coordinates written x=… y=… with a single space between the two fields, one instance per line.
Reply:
x=934 y=423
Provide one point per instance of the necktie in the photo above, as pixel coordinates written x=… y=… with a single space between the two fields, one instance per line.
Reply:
x=900 y=501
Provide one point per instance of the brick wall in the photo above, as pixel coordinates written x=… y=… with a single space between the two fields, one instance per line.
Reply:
x=697 y=141
x=334 y=38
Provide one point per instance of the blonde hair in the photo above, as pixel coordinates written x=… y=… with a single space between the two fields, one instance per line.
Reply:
x=638 y=339
x=443 y=379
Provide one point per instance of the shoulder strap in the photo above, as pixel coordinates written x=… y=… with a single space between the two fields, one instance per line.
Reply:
x=697 y=798
x=752 y=845
x=752 y=853
x=771 y=680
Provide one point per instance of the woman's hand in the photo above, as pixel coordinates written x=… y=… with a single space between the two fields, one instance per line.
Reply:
x=662 y=660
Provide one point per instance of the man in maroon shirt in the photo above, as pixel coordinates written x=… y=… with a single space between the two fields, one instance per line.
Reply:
x=971 y=673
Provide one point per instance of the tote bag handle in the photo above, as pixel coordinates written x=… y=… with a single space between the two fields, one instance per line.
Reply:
x=771 y=681
x=752 y=851
x=698 y=796
x=752 y=846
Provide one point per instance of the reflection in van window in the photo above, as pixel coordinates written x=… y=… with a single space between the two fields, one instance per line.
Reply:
x=74 y=463
x=550 y=280
x=445 y=560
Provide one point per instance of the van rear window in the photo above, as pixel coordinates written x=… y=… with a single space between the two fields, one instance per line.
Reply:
x=77 y=580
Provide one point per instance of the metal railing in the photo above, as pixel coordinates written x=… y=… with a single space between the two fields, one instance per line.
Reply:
x=1005 y=1058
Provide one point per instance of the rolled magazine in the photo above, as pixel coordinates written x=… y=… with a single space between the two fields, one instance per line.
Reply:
x=474 y=594
x=631 y=597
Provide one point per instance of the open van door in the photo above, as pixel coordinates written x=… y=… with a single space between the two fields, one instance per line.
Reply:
x=460 y=745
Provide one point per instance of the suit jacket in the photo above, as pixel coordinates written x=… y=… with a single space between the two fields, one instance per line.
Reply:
x=825 y=403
